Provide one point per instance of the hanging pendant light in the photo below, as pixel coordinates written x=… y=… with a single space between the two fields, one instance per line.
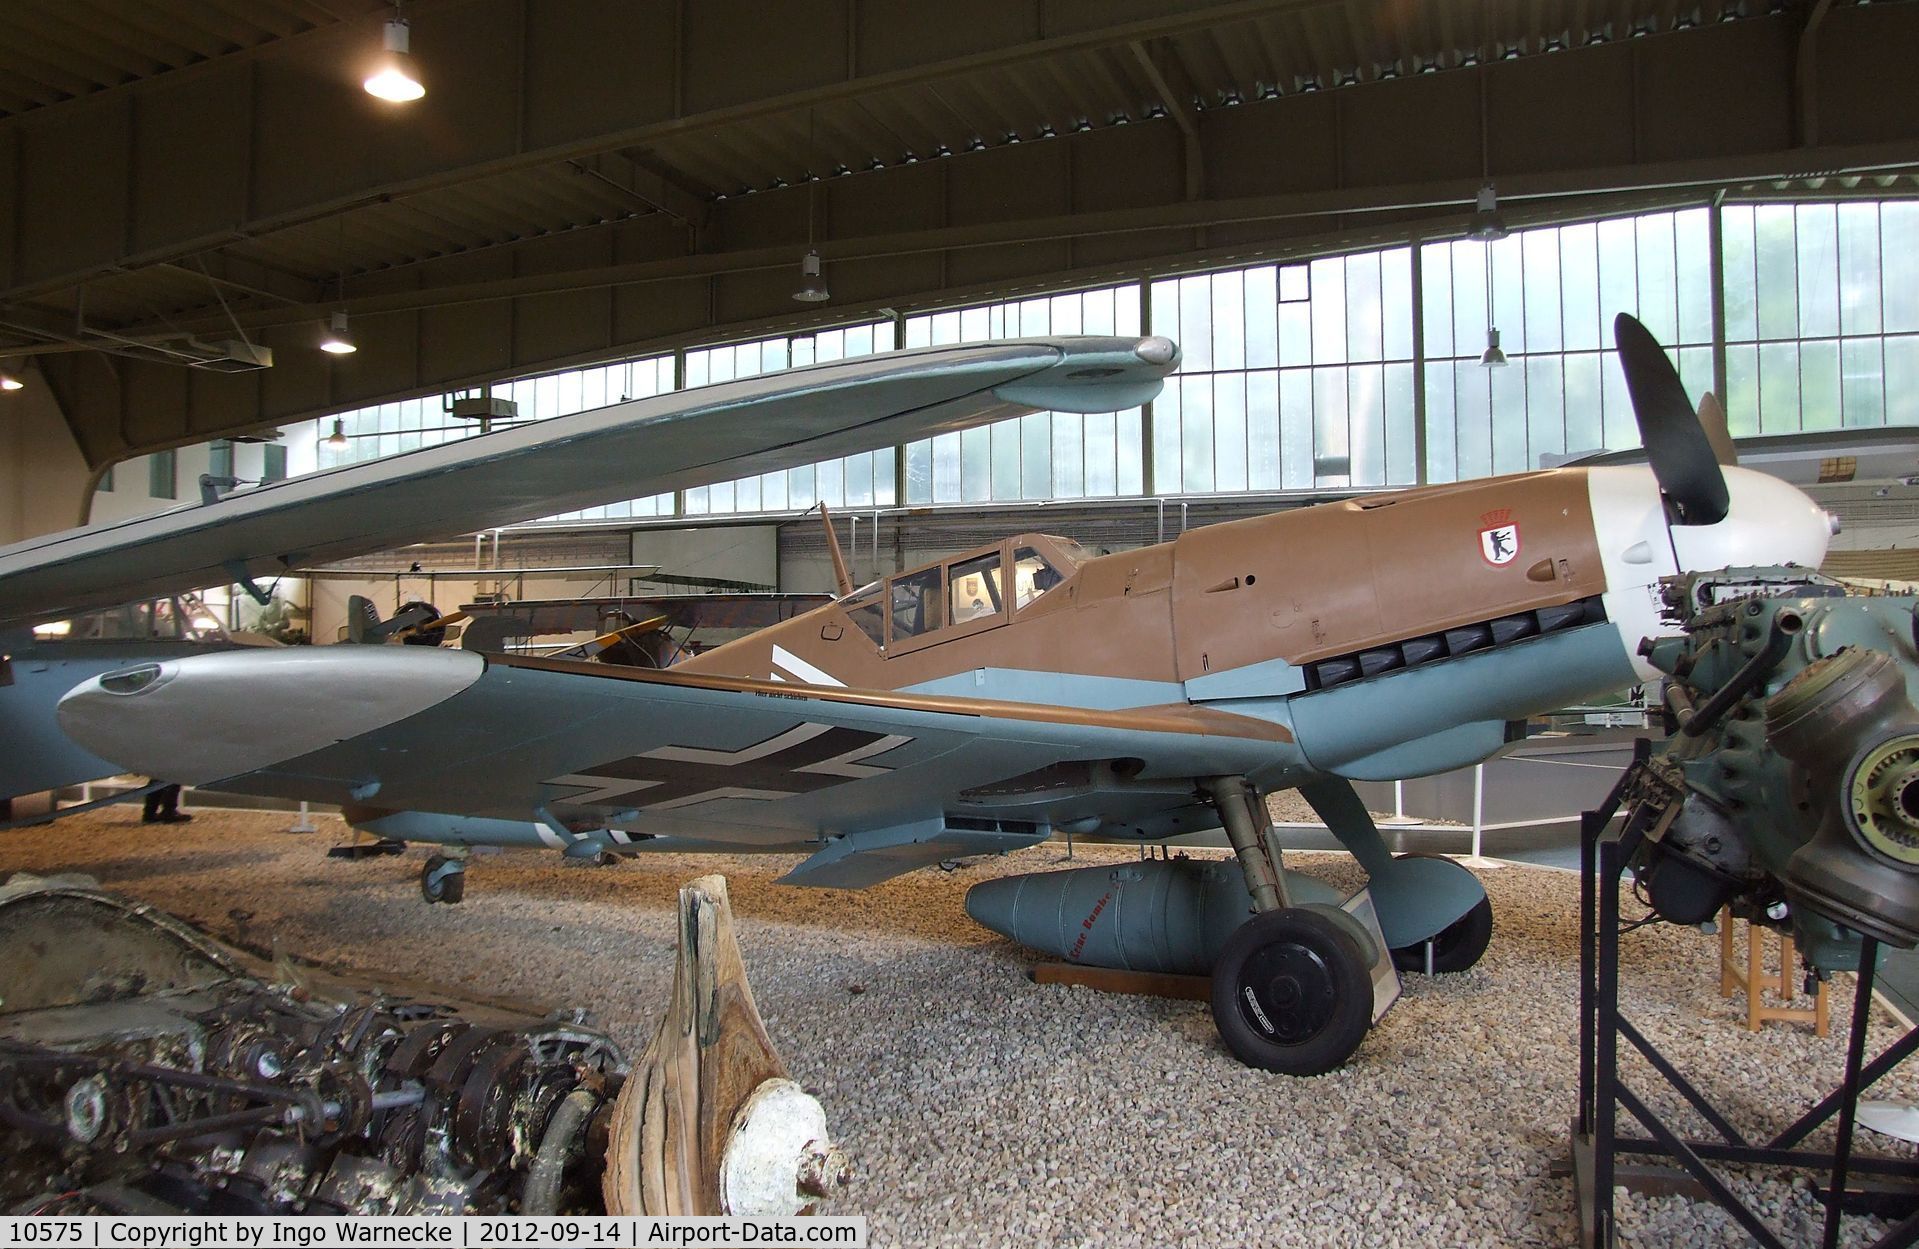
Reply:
x=336 y=341
x=337 y=440
x=812 y=289
x=1488 y=226
x=395 y=78
x=1492 y=357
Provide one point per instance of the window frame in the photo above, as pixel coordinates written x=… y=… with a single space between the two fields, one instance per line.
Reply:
x=950 y=631
x=163 y=475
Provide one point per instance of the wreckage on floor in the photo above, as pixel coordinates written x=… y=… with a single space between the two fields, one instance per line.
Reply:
x=147 y=1068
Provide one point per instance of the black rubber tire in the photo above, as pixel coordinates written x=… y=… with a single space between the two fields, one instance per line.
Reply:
x=1292 y=993
x=1459 y=944
x=453 y=887
x=432 y=889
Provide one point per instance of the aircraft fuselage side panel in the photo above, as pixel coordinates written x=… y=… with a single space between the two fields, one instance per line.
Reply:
x=1108 y=618
x=1233 y=610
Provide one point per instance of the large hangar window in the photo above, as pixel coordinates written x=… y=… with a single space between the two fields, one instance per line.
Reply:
x=1048 y=455
x=1822 y=315
x=863 y=480
x=1291 y=376
x=1307 y=374
x=1552 y=293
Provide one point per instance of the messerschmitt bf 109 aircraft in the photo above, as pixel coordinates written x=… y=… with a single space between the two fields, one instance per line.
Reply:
x=625 y=450
x=1028 y=687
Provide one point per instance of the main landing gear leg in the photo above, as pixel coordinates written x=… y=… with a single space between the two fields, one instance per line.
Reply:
x=443 y=878
x=1434 y=913
x=1292 y=989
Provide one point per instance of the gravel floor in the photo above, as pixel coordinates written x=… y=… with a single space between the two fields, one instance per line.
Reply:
x=980 y=1108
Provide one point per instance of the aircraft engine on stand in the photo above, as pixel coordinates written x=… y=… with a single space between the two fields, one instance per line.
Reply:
x=1790 y=788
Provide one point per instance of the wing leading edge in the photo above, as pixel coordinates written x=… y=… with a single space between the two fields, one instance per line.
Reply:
x=646 y=446
x=561 y=753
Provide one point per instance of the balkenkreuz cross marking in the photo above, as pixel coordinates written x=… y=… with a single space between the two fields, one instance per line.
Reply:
x=798 y=761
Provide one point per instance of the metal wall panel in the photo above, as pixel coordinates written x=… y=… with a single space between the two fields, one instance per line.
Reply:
x=734 y=56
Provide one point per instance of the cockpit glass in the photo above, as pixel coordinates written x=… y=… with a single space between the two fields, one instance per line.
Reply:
x=917 y=604
x=975 y=588
x=867 y=610
x=1033 y=575
x=1074 y=553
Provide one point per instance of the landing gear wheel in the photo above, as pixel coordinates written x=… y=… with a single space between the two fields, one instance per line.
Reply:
x=1458 y=946
x=1292 y=993
x=442 y=879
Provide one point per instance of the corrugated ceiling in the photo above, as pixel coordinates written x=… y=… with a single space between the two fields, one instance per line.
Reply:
x=57 y=50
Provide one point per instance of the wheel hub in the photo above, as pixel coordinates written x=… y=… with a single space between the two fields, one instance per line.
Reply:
x=1287 y=992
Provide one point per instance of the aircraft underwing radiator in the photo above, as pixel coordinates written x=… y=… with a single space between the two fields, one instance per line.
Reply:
x=1790 y=788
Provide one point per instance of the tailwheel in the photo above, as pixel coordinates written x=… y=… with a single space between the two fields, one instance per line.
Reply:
x=1292 y=992
x=1457 y=946
x=443 y=879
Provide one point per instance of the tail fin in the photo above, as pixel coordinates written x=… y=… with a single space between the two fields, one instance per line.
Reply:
x=362 y=621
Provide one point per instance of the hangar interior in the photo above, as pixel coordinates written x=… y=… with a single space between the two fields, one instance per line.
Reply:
x=1389 y=241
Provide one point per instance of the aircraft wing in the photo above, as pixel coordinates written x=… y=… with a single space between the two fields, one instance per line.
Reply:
x=538 y=751
x=668 y=442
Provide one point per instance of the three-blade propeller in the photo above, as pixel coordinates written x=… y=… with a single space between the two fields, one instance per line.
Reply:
x=1682 y=456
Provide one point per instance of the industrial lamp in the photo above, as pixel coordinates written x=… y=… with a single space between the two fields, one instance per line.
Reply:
x=395 y=78
x=9 y=382
x=812 y=285
x=337 y=440
x=336 y=341
x=1488 y=226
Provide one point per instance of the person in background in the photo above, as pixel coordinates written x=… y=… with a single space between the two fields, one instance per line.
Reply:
x=163 y=806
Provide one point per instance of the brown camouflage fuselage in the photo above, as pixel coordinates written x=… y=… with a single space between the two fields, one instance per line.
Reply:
x=1299 y=586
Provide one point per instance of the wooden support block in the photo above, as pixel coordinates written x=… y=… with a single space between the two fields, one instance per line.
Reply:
x=1756 y=980
x=1114 y=980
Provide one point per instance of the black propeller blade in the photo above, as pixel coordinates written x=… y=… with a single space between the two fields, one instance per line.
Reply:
x=1681 y=455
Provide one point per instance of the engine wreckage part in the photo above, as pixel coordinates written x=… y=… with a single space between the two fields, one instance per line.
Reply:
x=148 y=1068
x=1790 y=790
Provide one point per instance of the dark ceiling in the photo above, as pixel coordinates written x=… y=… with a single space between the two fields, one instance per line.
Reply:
x=592 y=178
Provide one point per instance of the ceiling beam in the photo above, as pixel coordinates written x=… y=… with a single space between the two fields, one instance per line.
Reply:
x=412 y=169
x=1157 y=64
x=1443 y=194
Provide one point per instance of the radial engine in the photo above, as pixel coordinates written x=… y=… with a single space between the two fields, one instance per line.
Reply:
x=1790 y=788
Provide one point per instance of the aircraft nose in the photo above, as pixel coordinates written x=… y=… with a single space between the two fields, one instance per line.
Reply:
x=207 y=717
x=1769 y=522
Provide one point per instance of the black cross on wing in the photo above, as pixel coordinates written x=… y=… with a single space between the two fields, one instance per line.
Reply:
x=800 y=760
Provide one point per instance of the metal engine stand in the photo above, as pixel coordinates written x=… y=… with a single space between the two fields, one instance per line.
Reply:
x=1598 y=1142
